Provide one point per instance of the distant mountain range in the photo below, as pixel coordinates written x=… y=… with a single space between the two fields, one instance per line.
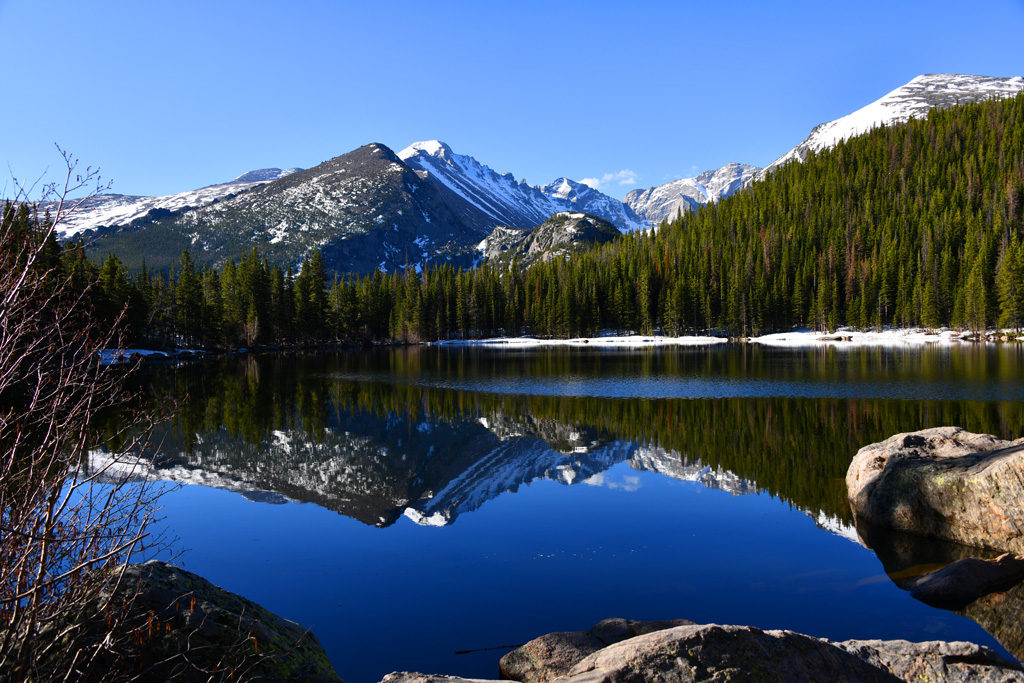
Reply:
x=374 y=209
x=665 y=202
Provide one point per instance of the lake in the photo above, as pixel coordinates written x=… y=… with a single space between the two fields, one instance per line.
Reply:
x=427 y=508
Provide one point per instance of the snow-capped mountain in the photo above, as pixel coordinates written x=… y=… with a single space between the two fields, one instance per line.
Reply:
x=108 y=210
x=560 y=235
x=909 y=101
x=364 y=210
x=585 y=199
x=485 y=198
x=665 y=202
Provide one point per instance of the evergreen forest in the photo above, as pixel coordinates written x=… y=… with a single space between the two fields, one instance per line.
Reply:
x=916 y=225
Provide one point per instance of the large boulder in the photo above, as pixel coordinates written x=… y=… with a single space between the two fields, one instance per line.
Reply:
x=712 y=652
x=944 y=483
x=555 y=654
x=182 y=627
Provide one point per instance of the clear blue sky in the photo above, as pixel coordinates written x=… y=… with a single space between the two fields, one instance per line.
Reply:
x=169 y=96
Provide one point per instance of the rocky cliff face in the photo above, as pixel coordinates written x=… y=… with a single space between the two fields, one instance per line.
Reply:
x=558 y=236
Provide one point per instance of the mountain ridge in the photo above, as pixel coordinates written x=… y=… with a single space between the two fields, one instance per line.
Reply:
x=913 y=99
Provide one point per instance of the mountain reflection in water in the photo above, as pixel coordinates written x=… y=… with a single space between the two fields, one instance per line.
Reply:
x=372 y=450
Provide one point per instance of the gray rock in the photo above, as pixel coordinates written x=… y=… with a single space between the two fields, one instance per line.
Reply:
x=411 y=677
x=962 y=582
x=553 y=655
x=934 y=660
x=711 y=652
x=944 y=483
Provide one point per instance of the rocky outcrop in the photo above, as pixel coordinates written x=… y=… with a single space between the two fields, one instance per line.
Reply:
x=560 y=235
x=185 y=628
x=692 y=652
x=943 y=483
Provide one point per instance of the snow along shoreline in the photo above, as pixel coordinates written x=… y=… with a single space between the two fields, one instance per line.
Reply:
x=845 y=337
x=842 y=338
x=630 y=341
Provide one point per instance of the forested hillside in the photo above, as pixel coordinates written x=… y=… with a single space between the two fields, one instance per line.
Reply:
x=915 y=225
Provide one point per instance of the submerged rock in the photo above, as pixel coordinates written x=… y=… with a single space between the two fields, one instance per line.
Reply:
x=1000 y=614
x=913 y=562
x=944 y=483
x=962 y=582
x=692 y=652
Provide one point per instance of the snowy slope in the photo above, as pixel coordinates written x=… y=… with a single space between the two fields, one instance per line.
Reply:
x=664 y=202
x=489 y=199
x=117 y=209
x=912 y=100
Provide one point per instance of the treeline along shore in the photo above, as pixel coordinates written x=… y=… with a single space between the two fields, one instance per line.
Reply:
x=916 y=225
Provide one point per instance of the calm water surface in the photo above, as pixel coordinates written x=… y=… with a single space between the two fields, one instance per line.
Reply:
x=417 y=506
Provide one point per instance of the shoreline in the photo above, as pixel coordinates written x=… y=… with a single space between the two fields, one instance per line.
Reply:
x=843 y=338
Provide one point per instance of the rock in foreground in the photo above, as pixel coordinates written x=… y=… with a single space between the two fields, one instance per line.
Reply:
x=553 y=655
x=944 y=483
x=221 y=635
x=712 y=652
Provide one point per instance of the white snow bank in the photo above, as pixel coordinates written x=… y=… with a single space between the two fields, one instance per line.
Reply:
x=846 y=337
x=631 y=341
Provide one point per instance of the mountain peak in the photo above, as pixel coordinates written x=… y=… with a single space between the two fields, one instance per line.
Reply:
x=433 y=148
x=486 y=199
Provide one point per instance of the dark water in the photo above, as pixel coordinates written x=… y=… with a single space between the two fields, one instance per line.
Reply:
x=412 y=504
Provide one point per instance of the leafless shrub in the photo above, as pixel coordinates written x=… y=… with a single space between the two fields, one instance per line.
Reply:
x=65 y=528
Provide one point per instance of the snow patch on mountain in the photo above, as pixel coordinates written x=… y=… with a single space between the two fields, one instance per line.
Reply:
x=108 y=210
